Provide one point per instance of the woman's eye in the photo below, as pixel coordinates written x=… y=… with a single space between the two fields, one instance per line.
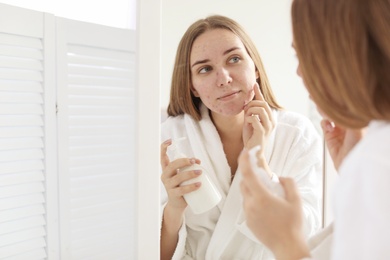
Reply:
x=204 y=69
x=234 y=59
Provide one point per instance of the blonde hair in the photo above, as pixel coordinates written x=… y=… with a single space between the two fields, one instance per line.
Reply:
x=344 y=51
x=182 y=101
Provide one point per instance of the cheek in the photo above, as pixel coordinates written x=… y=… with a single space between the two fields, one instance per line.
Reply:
x=201 y=91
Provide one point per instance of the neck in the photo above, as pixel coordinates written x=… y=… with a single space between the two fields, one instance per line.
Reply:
x=228 y=127
x=230 y=132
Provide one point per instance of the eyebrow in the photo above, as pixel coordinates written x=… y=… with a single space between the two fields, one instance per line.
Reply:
x=206 y=60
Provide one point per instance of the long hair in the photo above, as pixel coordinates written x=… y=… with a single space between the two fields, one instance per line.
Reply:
x=182 y=101
x=343 y=47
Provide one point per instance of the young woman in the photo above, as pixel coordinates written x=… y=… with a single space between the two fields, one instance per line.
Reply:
x=343 y=47
x=221 y=102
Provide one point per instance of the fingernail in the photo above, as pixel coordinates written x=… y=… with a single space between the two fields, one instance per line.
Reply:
x=192 y=161
x=198 y=172
x=168 y=141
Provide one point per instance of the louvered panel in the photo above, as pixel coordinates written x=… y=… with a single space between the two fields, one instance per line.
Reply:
x=98 y=72
x=99 y=204
x=102 y=111
x=10 y=97
x=105 y=62
x=101 y=137
x=12 y=167
x=21 y=201
x=14 y=132
x=109 y=223
x=22 y=189
x=98 y=160
x=96 y=139
x=25 y=234
x=112 y=249
x=96 y=170
x=21 y=109
x=101 y=101
x=30 y=255
x=94 y=237
x=92 y=54
x=100 y=130
x=20 y=120
x=22 y=143
x=20 y=86
x=22 y=224
x=21 y=41
x=96 y=121
x=106 y=91
x=7 y=62
x=24 y=177
x=108 y=82
x=20 y=74
x=101 y=211
x=22 y=212
x=99 y=150
x=23 y=248
x=22 y=156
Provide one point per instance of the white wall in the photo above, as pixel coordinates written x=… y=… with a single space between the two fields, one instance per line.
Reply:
x=267 y=22
x=114 y=13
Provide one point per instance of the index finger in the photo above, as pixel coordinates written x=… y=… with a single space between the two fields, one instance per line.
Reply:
x=164 y=159
x=258 y=94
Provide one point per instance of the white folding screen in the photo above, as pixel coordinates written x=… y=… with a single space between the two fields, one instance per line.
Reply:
x=96 y=126
x=67 y=167
x=22 y=135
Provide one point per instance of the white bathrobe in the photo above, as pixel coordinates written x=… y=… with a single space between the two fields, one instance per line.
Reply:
x=294 y=150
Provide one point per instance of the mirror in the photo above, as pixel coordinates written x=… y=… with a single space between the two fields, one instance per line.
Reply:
x=269 y=25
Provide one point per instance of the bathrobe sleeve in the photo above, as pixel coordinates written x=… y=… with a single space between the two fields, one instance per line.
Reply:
x=180 y=248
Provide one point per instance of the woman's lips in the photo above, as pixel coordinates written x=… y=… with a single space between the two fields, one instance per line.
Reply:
x=229 y=96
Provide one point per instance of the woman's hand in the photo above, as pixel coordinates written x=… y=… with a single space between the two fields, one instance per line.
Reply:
x=172 y=179
x=276 y=222
x=258 y=125
x=259 y=121
x=340 y=141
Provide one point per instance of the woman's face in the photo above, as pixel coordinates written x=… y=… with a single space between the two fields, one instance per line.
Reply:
x=223 y=74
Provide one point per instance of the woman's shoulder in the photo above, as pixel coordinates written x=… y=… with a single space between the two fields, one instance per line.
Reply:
x=172 y=125
x=172 y=121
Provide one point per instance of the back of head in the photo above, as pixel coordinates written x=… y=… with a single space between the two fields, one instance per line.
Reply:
x=343 y=47
x=182 y=101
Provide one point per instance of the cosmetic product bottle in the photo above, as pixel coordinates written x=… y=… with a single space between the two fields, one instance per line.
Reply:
x=204 y=198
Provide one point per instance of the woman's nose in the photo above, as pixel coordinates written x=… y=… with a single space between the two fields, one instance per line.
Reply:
x=223 y=77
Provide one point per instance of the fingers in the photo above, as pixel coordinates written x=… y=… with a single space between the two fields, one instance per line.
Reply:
x=164 y=159
x=261 y=108
x=327 y=126
x=178 y=178
x=258 y=94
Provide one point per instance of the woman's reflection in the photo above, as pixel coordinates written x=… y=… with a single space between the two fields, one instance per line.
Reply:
x=221 y=101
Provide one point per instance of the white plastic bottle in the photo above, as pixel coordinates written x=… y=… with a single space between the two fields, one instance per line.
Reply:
x=204 y=198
